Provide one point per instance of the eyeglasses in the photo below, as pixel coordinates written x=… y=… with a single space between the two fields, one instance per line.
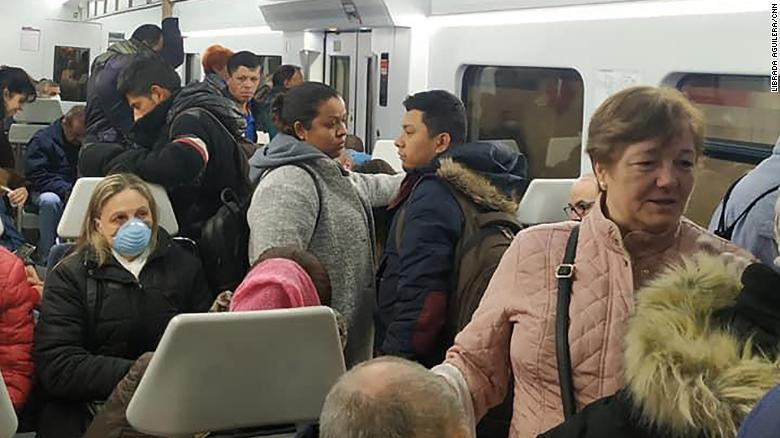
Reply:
x=578 y=210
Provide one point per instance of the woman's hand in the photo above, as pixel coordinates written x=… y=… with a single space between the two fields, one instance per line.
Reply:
x=18 y=196
x=33 y=279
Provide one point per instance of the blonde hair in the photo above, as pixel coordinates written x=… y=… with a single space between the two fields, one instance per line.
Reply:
x=110 y=186
x=638 y=114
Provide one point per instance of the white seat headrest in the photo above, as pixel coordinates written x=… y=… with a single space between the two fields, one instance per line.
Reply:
x=22 y=133
x=8 y=420
x=544 y=201
x=386 y=150
x=78 y=203
x=40 y=112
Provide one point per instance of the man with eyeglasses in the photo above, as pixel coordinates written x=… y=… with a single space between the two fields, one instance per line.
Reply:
x=582 y=197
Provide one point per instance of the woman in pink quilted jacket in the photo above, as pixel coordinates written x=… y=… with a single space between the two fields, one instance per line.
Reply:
x=644 y=143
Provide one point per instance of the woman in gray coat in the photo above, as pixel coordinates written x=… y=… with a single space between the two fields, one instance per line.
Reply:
x=305 y=199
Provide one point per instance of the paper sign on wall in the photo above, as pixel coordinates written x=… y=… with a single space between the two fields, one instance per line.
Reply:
x=30 y=39
x=612 y=81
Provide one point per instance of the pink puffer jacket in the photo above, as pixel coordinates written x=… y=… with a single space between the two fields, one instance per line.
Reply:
x=515 y=322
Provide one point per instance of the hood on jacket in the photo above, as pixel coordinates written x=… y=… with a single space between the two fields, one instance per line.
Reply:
x=491 y=175
x=686 y=373
x=127 y=47
x=284 y=149
x=202 y=95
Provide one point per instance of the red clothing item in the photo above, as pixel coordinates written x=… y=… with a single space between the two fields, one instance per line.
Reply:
x=17 y=300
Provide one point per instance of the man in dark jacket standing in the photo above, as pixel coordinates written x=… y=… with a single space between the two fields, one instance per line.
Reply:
x=109 y=119
x=189 y=143
x=51 y=163
x=244 y=73
x=416 y=278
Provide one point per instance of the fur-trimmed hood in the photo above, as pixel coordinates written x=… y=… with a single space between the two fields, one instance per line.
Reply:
x=489 y=174
x=688 y=372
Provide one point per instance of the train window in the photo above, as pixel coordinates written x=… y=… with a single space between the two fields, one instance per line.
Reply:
x=742 y=124
x=537 y=111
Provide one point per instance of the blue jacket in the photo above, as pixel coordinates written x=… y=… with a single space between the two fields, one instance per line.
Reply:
x=763 y=421
x=755 y=232
x=415 y=277
x=51 y=162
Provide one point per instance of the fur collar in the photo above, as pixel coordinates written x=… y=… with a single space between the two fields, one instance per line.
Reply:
x=684 y=374
x=475 y=186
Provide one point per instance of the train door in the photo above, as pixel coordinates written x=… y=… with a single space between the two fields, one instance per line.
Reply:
x=350 y=68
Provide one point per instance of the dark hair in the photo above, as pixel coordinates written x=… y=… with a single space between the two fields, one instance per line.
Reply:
x=243 y=58
x=149 y=34
x=442 y=112
x=302 y=104
x=306 y=260
x=283 y=74
x=355 y=143
x=138 y=78
x=375 y=166
x=16 y=81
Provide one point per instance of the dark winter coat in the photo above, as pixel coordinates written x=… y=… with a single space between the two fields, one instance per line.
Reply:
x=701 y=351
x=79 y=361
x=415 y=282
x=51 y=162
x=109 y=117
x=190 y=144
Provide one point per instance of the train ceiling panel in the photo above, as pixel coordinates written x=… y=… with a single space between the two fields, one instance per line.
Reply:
x=297 y=15
x=445 y=7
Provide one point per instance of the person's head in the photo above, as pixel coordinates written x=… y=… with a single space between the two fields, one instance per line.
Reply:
x=345 y=159
x=74 y=126
x=215 y=60
x=287 y=76
x=375 y=166
x=47 y=88
x=644 y=143
x=122 y=215
x=315 y=113
x=582 y=196
x=146 y=83
x=243 y=76
x=355 y=143
x=17 y=88
x=434 y=121
x=151 y=36
x=390 y=397
x=283 y=277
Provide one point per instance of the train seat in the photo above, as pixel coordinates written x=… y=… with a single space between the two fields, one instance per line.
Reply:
x=8 y=420
x=544 y=200
x=386 y=150
x=226 y=371
x=76 y=208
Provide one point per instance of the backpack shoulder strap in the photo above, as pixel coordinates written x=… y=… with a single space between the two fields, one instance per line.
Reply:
x=730 y=229
x=722 y=221
x=565 y=275
x=308 y=170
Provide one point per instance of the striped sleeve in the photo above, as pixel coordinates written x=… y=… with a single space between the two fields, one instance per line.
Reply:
x=197 y=144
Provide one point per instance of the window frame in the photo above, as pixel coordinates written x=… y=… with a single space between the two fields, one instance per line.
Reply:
x=721 y=149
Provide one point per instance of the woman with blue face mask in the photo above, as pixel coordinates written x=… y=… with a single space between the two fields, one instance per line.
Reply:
x=109 y=302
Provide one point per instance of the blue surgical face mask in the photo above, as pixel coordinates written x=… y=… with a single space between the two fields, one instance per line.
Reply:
x=132 y=238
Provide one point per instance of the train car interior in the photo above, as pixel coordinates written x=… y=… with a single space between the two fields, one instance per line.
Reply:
x=530 y=74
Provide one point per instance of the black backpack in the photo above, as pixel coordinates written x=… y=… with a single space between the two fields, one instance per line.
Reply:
x=223 y=244
x=726 y=232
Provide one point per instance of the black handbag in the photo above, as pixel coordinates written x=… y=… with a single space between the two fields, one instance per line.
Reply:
x=224 y=243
